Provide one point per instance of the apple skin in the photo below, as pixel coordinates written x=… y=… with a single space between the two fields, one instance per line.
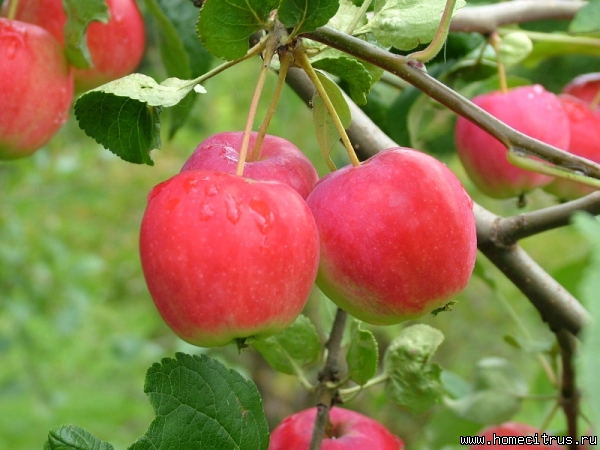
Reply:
x=513 y=429
x=36 y=83
x=349 y=431
x=529 y=109
x=226 y=257
x=116 y=47
x=585 y=142
x=279 y=160
x=397 y=236
x=585 y=87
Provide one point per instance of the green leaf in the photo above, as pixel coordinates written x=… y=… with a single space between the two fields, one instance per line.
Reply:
x=496 y=395
x=123 y=115
x=362 y=356
x=181 y=51
x=73 y=437
x=224 y=27
x=202 y=405
x=306 y=15
x=404 y=24
x=293 y=348
x=414 y=381
x=325 y=130
x=345 y=15
x=350 y=70
x=587 y=19
x=79 y=16
x=587 y=358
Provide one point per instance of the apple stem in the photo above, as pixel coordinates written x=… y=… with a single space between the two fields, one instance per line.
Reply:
x=12 y=9
x=595 y=101
x=269 y=51
x=439 y=39
x=302 y=60
x=495 y=42
x=362 y=11
x=285 y=60
x=520 y=159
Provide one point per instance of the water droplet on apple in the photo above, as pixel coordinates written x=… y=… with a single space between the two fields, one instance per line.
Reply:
x=156 y=190
x=231 y=209
x=212 y=190
x=263 y=216
x=190 y=184
x=206 y=212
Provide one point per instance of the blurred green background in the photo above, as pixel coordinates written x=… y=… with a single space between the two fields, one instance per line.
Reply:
x=78 y=328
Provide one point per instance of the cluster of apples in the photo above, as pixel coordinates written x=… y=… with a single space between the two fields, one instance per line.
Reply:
x=227 y=257
x=37 y=82
x=569 y=121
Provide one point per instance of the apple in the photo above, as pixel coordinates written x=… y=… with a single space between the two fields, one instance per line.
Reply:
x=585 y=87
x=36 y=87
x=531 y=438
x=585 y=142
x=397 y=236
x=225 y=257
x=279 y=160
x=529 y=109
x=116 y=48
x=349 y=430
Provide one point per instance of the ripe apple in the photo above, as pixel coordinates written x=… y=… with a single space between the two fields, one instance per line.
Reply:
x=531 y=438
x=529 y=109
x=585 y=141
x=349 y=431
x=116 y=48
x=397 y=236
x=36 y=88
x=225 y=257
x=279 y=160
x=585 y=87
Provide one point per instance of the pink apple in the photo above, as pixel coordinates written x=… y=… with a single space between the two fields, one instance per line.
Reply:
x=225 y=257
x=521 y=435
x=585 y=141
x=529 y=109
x=397 y=236
x=279 y=160
x=585 y=87
x=116 y=47
x=36 y=88
x=349 y=431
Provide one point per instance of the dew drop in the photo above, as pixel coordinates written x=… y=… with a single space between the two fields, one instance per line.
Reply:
x=206 y=212
x=262 y=215
x=190 y=184
x=232 y=209
x=212 y=190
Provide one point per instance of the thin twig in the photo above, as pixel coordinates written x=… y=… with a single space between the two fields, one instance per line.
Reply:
x=330 y=373
x=569 y=394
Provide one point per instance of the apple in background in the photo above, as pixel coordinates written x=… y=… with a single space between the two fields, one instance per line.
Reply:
x=279 y=160
x=397 y=236
x=529 y=109
x=585 y=142
x=225 y=257
x=349 y=431
x=585 y=87
x=514 y=429
x=116 y=47
x=36 y=88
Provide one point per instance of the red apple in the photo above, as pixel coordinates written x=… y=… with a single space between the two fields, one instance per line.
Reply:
x=585 y=142
x=279 y=160
x=116 y=47
x=36 y=88
x=397 y=236
x=349 y=431
x=520 y=435
x=585 y=87
x=226 y=257
x=529 y=109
